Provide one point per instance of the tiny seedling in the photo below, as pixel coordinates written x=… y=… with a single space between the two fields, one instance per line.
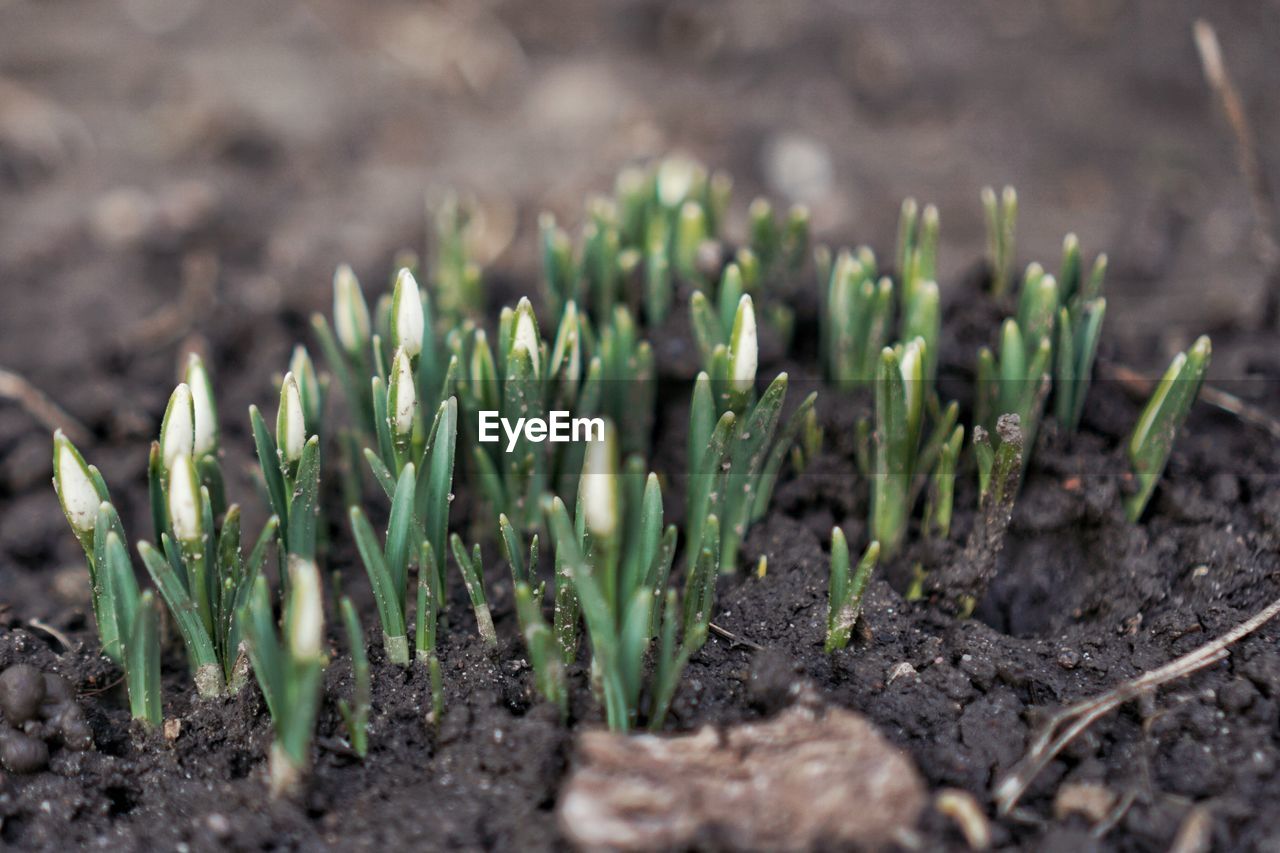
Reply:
x=472 y=568
x=846 y=588
x=1002 y=229
x=618 y=558
x=736 y=483
x=355 y=714
x=1152 y=438
x=289 y=667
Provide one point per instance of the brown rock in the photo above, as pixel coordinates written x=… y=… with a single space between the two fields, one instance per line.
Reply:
x=806 y=776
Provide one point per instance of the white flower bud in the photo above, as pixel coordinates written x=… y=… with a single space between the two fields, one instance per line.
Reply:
x=403 y=396
x=291 y=422
x=306 y=610
x=526 y=334
x=912 y=368
x=675 y=180
x=304 y=372
x=350 y=311
x=744 y=353
x=204 y=407
x=178 y=430
x=76 y=490
x=406 y=313
x=599 y=484
x=184 y=501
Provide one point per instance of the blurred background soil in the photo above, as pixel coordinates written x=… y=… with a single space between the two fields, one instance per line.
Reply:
x=186 y=173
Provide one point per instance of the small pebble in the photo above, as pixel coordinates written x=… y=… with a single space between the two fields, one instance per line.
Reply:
x=22 y=691
x=57 y=689
x=22 y=753
x=1237 y=695
x=1068 y=659
x=218 y=825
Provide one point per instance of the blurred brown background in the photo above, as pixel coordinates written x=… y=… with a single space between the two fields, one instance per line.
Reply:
x=187 y=173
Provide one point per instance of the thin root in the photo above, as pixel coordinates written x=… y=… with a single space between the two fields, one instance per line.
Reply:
x=1069 y=723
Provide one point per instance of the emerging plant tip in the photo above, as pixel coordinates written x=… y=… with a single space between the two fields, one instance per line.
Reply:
x=675 y=180
x=204 y=407
x=291 y=422
x=526 y=333
x=178 y=429
x=744 y=347
x=406 y=313
x=350 y=311
x=184 y=501
x=912 y=368
x=306 y=611
x=599 y=487
x=404 y=400
x=76 y=491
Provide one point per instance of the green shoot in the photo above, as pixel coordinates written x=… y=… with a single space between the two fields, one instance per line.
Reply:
x=472 y=569
x=1153 y=435
x=1002 y=227
x=84 y=497
x=1079 y=330
x=942 y=484
x=899 y=410
x=456 y=275
x=142 y=661
x=618 y=558
x=547 y=668
x=844 y=596
x=356 y=712
x=289 y=667
x=387 y=567
x=856 y=319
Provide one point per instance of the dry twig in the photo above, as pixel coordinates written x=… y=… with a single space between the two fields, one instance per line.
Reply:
x=1069 y=723
x=1141 y=386
x=1215 y=72
x=14 y=387
x=734 y=638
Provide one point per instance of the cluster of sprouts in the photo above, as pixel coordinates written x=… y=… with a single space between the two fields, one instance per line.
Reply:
x=418 y=370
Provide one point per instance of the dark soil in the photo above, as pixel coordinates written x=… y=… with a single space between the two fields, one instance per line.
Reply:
x=259 y=192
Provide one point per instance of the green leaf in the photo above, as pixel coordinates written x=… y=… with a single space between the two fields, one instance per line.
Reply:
x=473 y=577
x=440 y=480
x=142 y=662
x=118 y=590
x=390 y=607
x=1153 y=435
x=778 y=455
x=258 y=627
x=747 y=451
x=398 y=529
x=356 y=714
x=425 y=617
x=272 y=476
x=304 y=507
x=199 y=645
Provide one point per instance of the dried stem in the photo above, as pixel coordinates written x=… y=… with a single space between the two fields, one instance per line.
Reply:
x=1068 y=724
x=39 y=406
x=1141 y=386
x=1215 y=72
